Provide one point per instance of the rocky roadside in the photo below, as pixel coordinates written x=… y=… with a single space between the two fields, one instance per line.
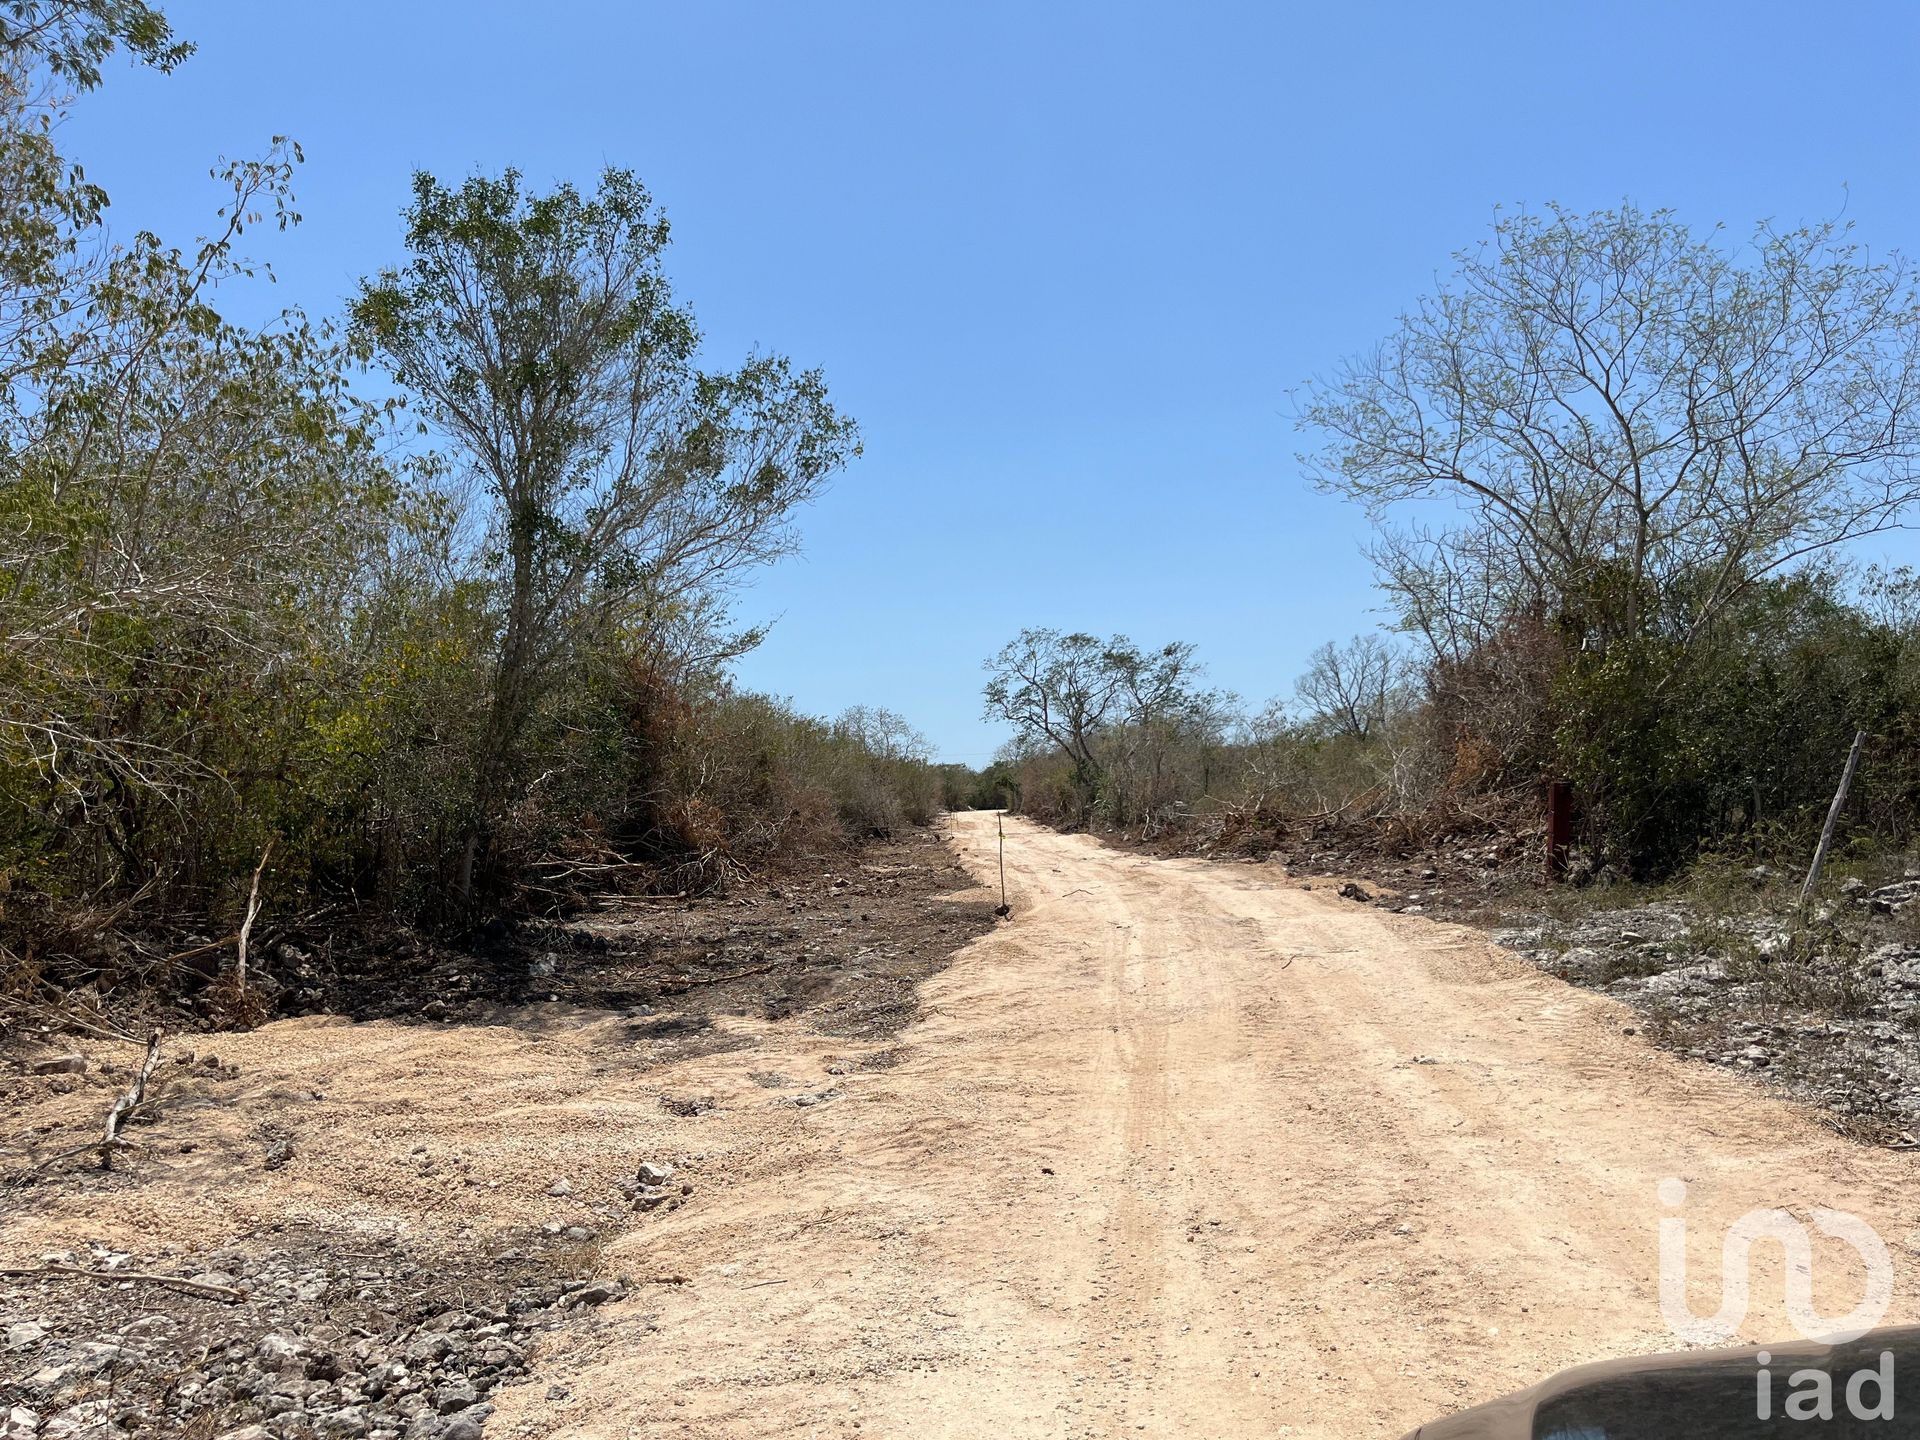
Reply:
x=1825 y=1009
x=319 y=1344
x=324 y=1336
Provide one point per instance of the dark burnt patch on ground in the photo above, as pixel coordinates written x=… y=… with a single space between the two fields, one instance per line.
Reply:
x=843 y=948
x=840 y=941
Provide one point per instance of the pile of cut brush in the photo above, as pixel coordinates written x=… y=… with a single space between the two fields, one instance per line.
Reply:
x=112 y=974
x=1486 y=843
x=95 y=970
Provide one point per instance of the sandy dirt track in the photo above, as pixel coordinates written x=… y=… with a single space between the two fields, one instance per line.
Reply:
x=1186 y=1149
x=1183 y=1149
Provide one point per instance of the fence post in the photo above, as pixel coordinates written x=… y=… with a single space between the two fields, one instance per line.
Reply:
x=1559 y=827
x=1000 y=828
x=1833 y=817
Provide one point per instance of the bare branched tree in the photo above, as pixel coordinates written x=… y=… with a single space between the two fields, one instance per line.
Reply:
x=882 y=732
x=1111 y=708
x=1633 y=423
x=1058 y=690
x=1349 y=689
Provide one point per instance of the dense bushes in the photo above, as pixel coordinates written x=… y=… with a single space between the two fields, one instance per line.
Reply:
x=1628 y=461
x=997 y=787
x=1735 y=735
x=722 y=779
x=1726 y=736
x=446 y=652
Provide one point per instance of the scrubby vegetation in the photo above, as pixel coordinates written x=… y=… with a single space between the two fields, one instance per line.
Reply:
x=428 y=607
x=1634 y=464
x=421 y=614
x=1729 y=746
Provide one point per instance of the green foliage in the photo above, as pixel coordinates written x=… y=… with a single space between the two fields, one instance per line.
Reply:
x=190 y=513
x=997 y=787
x=1736 y=734
x=1630 y=445
x=626 y=486
x=240 y=604
x=72 y=38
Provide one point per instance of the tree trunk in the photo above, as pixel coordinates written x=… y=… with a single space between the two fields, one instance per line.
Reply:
x=505 y=727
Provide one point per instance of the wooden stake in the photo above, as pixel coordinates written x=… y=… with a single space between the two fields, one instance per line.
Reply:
x=1833 y=817
x=1559 y=827
x=1000 y=825
x=135 y=1096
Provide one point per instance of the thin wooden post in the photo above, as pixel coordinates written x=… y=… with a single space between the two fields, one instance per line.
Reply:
x=1000 y=825
x=1559 y=827
x=135 y=1097
x=1833 y=817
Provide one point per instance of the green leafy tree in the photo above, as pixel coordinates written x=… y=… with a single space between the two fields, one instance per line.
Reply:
x=625 y=483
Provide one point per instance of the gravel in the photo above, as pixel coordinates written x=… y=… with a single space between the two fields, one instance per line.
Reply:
x=1824 y=1010
x=334 y=1339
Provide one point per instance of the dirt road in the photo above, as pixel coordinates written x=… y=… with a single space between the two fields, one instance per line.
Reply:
x=1185 y=1149
x=1182 y=1149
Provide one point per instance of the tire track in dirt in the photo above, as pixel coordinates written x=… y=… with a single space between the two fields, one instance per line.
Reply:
x=1187 y=1149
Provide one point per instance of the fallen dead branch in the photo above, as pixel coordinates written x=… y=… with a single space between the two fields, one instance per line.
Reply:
x=99 y=1033
x=621 y=897
x=689 y=984
x=198 y=950
x=134 y=1097
x=246 y=925
x=53 y=1014
x=560 y=869
x=176 y=1282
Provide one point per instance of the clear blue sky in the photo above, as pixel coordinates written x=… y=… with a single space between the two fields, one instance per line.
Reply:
x=1063 y=261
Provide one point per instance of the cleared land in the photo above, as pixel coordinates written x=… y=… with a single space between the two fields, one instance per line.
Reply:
x=1183 y=1148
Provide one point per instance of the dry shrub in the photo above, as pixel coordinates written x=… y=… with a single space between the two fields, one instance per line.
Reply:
x=1490 y=708
x=233 y=1006
x=1477 y=765
x=719 y=780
